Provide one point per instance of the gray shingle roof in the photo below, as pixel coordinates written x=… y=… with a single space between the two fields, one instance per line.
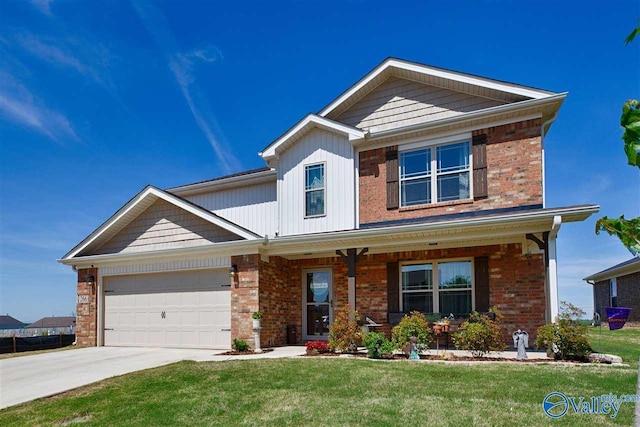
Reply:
x=9 y=322
x=54 y=322
x=627 y=266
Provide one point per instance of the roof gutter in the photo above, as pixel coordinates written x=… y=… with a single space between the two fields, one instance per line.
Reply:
x=302 y=242
x=555 y=215
x=220 y=184
x=241 y=247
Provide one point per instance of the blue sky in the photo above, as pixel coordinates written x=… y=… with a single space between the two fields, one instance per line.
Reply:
x=99 y=99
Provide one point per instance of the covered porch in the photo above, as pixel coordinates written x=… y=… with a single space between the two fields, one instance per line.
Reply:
x=441 y=267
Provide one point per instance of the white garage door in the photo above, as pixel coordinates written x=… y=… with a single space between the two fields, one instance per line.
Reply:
x=183 y=309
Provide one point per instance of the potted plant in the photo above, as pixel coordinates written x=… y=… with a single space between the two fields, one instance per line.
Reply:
x=256 y=319
x=445 y=323
x=437 y=328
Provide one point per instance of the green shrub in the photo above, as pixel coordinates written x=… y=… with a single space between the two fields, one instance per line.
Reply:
x=240 y=345
x=414 y=325
x=344 y=332
x=377 y=345
x=568 y=337
x=480 y=334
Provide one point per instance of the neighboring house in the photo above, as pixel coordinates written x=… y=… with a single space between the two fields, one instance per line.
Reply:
x=417 y=188
x=52 y=325
x=8 y=322
x=617 y=286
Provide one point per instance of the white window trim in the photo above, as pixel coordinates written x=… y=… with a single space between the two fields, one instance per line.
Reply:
x=324 y=189
x=435 y=290
x=433 y=173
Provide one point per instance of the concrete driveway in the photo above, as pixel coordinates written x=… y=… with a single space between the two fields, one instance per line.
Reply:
x=26 y=378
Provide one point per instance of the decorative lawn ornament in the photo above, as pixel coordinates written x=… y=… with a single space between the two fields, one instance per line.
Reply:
x=521 y=342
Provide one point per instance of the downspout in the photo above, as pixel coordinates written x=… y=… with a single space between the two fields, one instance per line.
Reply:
x=552 y=268
x=543 y=133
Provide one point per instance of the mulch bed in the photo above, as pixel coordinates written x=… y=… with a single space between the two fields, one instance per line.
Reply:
x=244 y=353
x=449 y=358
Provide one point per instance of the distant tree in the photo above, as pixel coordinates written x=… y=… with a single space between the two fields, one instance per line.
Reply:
x=627 y=230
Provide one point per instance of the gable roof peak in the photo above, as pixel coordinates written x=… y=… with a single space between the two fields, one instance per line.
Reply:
x=431 y=75
x=141 y=202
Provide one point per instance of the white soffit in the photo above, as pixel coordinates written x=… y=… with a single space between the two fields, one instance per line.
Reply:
x=137 y=205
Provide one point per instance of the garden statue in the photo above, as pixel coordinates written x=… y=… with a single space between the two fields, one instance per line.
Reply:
x=520 y=342
x=413 y=349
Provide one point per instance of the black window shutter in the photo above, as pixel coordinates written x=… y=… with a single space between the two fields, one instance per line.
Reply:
x=479 y=150
x=392 y=178
x=481 y=275
x=393 y=288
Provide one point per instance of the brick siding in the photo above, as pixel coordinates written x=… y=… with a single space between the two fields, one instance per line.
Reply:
x=516 y=286
x=514 y=176
x=628 y=295
x=87 y=319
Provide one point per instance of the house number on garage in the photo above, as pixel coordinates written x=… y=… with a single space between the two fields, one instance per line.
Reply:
x=83 y=299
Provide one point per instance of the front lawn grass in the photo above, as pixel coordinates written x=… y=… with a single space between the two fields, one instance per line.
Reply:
x=331 y=391
x=624 y=342
x=338 y=391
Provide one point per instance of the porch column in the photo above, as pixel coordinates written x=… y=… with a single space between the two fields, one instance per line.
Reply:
x=553 y=280
x=552 y=269
x=351 y=258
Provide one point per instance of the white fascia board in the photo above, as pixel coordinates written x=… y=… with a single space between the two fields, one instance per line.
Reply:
x=311 y=120
x=225 y=183
x=206 y=215
x=472 y=80
x=240 y=247
x=152 y=191
x=467 y=117
x=624 y=270
x=436 y=72
x=371 y=236
x=100 y=230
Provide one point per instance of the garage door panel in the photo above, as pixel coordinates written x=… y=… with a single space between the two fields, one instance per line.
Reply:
x=196 y=307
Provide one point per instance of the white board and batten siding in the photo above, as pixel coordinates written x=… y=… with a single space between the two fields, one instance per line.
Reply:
x=399 y=102
x=188 y=309
x=253 y=207
x=336 y=152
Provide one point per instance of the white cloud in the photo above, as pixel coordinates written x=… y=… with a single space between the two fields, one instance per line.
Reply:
x=67 y=53
x=182 y=66
x=44 y=6
x=19 y=106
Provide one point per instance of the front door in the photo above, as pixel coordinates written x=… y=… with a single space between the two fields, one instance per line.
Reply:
x=317 y=313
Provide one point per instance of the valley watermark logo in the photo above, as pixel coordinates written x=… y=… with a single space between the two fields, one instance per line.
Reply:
x=556 y=404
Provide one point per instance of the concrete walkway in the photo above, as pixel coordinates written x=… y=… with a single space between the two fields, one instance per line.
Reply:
x=27 y=378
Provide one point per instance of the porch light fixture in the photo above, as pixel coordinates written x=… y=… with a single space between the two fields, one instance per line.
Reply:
x=233 y=270
x=90 y=280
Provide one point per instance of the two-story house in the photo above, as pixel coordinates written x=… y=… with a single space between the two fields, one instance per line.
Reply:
x=417 y=188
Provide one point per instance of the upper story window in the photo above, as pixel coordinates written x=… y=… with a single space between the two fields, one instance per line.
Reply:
x=435 y=174
x=314 y=190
